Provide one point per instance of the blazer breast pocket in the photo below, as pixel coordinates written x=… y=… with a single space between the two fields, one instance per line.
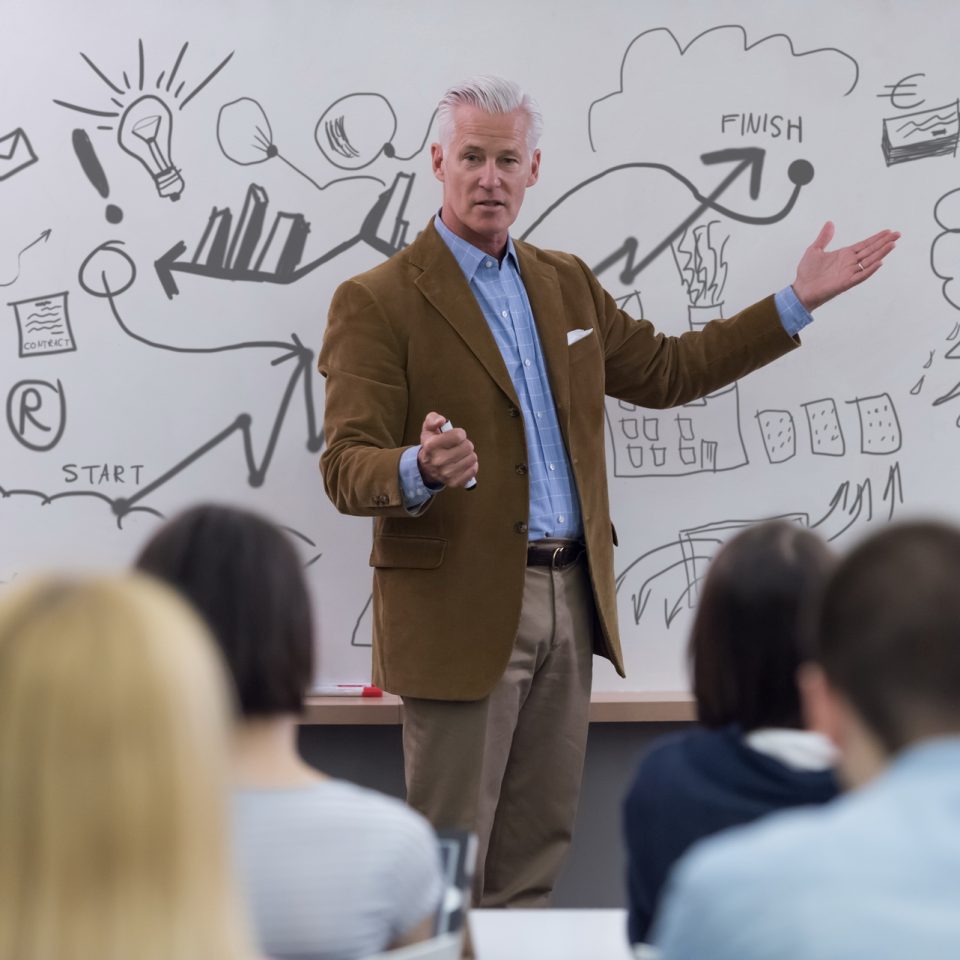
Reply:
x=582 y=346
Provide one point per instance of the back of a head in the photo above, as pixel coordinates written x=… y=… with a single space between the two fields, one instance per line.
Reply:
x=747 y=638
x=244 y=577
x=888 y=632
x=113 y=782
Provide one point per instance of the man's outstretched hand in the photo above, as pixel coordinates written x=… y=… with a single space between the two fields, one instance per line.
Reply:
x=822 y=274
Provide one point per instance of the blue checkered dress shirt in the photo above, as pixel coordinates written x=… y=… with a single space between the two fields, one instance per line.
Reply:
x=498 y=287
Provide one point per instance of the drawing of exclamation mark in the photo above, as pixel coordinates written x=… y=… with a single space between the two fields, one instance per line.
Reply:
x=91 y=167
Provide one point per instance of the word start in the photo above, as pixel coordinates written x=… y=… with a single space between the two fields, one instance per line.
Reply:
x=97 y=473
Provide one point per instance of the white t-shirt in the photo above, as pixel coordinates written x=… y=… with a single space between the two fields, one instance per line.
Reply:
x=333 y=870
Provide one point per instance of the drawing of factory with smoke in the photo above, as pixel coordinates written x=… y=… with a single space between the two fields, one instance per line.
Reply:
x=700 y=437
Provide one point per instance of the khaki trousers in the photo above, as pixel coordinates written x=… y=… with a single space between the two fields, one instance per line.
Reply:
x=508 y=767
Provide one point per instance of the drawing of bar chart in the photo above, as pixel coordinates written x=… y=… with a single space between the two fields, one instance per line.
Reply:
x=247 y=250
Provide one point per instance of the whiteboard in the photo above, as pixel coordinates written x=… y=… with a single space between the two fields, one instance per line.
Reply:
x=164 y=300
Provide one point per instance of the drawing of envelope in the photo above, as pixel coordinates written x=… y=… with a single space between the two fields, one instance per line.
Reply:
x=574 y=336
x=15 y=153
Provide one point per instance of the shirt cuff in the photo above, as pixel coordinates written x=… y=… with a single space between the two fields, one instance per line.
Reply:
x=413 y=489
x=793 y=314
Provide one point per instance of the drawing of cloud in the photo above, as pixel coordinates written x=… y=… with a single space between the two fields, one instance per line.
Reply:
x=669 y=90
x=945 y=249
x=354 y=129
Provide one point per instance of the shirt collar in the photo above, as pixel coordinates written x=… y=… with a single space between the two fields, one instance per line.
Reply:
x=467 y=255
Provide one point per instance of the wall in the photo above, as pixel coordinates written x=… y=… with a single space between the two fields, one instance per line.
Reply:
x=160 y=332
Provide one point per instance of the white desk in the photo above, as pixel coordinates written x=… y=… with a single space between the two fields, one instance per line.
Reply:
x=550 y=934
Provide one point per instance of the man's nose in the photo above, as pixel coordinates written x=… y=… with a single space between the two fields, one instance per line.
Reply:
x=490 y=176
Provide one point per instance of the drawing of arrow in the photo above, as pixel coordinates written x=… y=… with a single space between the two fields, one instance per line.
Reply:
x=847 y=516
x=641 y=597
x=256 y=472
x=894 y=488
x=837 y=501
x=863 y=499
x=800 y=173
x=748 y=158
x=44 y=237
x=674 y=612
x=293 y=349
x=951 y=394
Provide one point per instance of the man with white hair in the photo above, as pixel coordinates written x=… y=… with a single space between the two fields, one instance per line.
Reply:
x=873 y=874
x=494 y=587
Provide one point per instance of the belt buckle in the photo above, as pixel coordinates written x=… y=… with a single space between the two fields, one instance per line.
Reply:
x=555 y=561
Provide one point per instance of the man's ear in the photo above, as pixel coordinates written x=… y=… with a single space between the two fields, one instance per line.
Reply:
x=534 y=168
x=822 y=710
x=436 y=160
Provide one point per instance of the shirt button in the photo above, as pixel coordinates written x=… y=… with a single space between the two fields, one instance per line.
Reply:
x=539 y=414
x=560 y=518
x=553 y=466
x=526 y=362
x=520 y=527
x=504 y=313
x=488 y=263
x=521 y=468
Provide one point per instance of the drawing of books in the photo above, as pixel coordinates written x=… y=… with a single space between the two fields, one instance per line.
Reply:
x=385 y=227
x=247 y=235
x=925 y=133
x=212 y=248
x=284 y=246
x=229 y=252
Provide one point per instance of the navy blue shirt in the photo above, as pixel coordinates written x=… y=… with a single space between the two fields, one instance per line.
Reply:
x=690 y=786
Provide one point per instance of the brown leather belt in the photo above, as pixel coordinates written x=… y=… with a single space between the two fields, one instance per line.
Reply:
x=555 y=554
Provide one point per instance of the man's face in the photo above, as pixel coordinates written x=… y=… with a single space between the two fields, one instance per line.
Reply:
x=485 y=170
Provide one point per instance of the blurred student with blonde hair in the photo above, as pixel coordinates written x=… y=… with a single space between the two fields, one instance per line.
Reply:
x=113 y=799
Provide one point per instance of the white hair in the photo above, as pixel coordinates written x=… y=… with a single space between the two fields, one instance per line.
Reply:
x=492 y=95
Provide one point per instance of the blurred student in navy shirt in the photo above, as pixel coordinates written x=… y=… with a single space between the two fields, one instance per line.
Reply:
x=749 y=755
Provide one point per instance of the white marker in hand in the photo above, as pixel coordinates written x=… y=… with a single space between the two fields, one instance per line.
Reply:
x=446 y=428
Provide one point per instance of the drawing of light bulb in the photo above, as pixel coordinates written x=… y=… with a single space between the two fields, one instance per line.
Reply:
x=145 y=131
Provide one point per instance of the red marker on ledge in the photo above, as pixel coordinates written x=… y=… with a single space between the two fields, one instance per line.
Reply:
x=349 y=690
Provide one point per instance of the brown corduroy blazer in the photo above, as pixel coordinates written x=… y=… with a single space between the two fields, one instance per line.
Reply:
x=408 y=337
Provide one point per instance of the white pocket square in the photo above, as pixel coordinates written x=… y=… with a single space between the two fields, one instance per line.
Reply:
x=573 y=336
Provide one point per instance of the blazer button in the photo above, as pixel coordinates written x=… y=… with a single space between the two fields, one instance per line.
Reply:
x=514 y=412
x=520 y=527
x=381 y=499
x=521 y=468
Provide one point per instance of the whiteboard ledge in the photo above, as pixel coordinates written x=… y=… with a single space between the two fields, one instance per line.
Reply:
x=654 y=706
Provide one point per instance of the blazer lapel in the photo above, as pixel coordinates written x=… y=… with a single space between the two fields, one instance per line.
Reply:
x=543 y=290
x=445 y=287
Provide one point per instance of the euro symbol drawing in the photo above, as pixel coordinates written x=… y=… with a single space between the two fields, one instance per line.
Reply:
x=903 y=88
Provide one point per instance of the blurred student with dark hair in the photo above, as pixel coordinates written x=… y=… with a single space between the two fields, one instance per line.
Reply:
x=750 y=755
x=331 y=869
x=114 y=739
x=873 y=874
